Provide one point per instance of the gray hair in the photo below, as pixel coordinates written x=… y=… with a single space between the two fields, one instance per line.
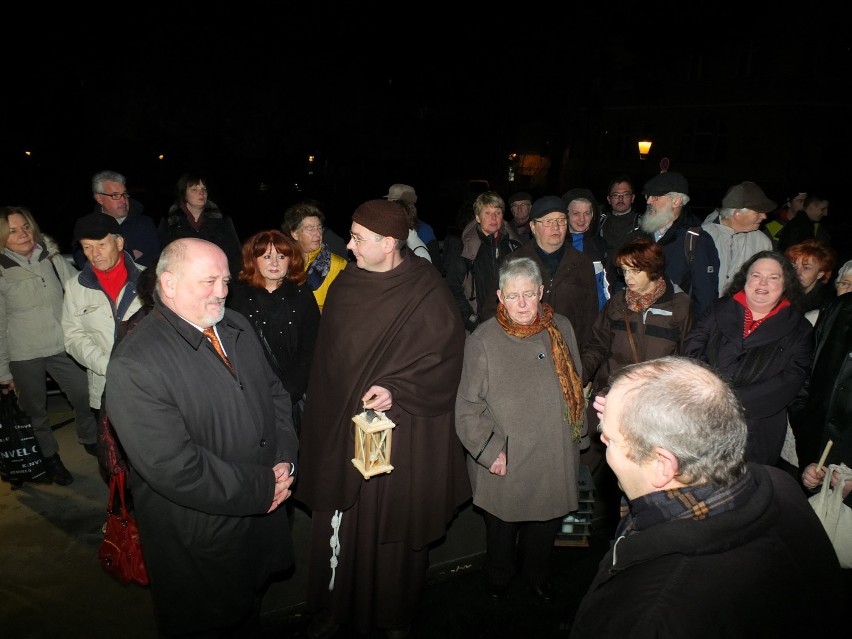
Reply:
x=98 y=180
x=680 y=405
x=683 y=196
x=844 y=270
x=726 y=213
x=520 y=267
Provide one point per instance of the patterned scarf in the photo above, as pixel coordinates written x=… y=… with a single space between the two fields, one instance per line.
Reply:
x=641 y=302
x=690 y=502
x=572 y=386
x=319 y=268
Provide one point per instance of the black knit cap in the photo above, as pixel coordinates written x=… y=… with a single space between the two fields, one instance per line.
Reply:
x=384 y=217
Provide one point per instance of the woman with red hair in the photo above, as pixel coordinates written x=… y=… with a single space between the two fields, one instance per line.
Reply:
x=814 y=263
x=270 y=292
x=648 y=318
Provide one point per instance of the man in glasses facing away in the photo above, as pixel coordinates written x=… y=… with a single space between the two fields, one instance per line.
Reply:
x=109 y=189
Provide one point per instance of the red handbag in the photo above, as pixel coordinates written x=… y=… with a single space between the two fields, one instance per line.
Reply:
x=121 y=552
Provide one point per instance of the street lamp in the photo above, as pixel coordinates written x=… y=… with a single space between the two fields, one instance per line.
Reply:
x=644 y=148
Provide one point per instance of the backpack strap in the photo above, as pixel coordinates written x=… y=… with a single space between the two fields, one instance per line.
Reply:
x=689 y=242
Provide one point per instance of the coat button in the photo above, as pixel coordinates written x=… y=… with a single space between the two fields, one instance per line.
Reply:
x=262 y=443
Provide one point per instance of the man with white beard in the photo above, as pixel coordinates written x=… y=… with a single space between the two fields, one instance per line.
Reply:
x=692 y=262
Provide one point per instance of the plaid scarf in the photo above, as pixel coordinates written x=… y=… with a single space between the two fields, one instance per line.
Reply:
x=690 y=502
x=572 y=386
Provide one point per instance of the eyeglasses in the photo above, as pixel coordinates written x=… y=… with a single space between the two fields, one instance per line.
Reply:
x=630 y=271
x=556 y=221
x=311 y=229
x=529 y=296
x=116 y=196
x=621 y=196
x=521 y=205
x=842 y=284
x=358 y=240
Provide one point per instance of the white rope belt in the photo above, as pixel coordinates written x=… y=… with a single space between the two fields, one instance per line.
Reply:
x=335 y=545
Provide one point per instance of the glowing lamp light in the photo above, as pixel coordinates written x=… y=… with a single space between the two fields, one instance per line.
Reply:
x=644 y=148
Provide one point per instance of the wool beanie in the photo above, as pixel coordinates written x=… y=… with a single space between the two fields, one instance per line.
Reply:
x=384 y=217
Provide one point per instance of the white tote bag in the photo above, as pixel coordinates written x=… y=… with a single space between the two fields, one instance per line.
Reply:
x=836 y=517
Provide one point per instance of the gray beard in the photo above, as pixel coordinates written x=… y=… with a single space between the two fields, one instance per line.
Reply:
x=654 y=221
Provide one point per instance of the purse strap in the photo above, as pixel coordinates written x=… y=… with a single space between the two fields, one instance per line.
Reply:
x=269 y=353
x=117 y=485
x=630 y=338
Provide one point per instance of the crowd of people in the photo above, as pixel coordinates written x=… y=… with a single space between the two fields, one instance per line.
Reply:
x=697 y=367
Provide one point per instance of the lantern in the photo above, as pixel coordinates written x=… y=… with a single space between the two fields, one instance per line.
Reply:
x=372 y=443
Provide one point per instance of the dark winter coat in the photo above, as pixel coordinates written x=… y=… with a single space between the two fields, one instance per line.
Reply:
x=215 y=227
x=472 y=271
x=823 y=410
x=764 y=569
x=799 y=229
x=766 y=369
x=818 y=297
x=289 y=320
x=572 y=290
x=202 y=442
x=697 y=275
x=658 y=332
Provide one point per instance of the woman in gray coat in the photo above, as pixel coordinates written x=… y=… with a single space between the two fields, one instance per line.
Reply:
x=32 y=284
x=520 y=413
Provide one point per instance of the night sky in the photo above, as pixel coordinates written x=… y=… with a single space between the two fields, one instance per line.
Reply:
x=417 y=93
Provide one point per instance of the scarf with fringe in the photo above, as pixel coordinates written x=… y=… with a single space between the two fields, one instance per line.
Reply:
x=572 y=386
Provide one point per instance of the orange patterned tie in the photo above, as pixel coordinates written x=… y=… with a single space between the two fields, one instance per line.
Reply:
x=210 y=332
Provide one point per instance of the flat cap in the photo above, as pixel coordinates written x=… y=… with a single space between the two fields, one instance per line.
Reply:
x=666 y=182
x=96 y=226
x=547 y=204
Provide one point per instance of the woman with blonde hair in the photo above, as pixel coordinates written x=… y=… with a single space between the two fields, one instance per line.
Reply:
x=32 y=345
